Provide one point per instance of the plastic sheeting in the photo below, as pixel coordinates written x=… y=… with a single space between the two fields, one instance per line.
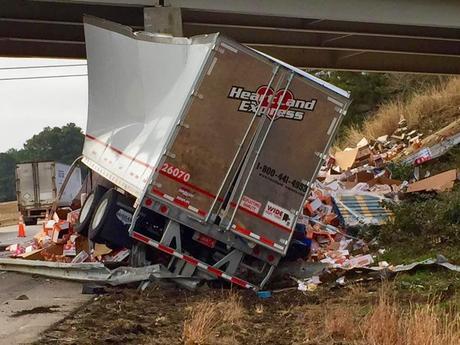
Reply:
x=362 y=208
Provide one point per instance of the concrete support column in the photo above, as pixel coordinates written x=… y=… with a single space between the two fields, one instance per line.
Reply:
x=164 y=20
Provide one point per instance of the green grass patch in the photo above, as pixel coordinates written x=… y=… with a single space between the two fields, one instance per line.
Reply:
x=403 y=254
x=423 y=226
x=430 y=284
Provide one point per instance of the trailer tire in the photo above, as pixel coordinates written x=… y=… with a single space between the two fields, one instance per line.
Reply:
x=107 y=224
x=87 y=209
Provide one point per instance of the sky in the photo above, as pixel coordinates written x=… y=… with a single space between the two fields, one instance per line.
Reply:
x=27 y=106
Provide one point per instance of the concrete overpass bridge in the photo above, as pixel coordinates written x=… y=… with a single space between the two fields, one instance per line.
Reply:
x=417 y=36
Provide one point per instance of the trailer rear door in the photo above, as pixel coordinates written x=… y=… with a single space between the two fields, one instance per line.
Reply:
x=25 y=184
x=274 y=182
x=215 y=132
x=46 y=182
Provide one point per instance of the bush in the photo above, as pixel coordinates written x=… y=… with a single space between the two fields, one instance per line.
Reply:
x=400 y=171
x=425 y=221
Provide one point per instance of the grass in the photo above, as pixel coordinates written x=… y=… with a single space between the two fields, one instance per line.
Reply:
x=388 y=316
x=391 y=320
x=381 y=326
x=429 y=283
x=340 y=323
x=213 y=322
x=403 y=253
x=427 y=111
x=390 y=323
x=8 y=213
x=423 y=226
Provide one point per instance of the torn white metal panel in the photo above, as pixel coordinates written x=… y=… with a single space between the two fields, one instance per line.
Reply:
x=126 y=275
x=428 y=153
x=83 y=272
x=440 y=260
x=138 y=86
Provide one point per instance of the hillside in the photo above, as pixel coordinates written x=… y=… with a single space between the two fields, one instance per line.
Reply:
x=427 y=111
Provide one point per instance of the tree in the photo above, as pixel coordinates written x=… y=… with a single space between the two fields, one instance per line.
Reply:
x=368 y=91
x=60 y=144
x=7 y=177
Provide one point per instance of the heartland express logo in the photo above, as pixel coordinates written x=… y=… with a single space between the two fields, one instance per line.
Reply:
x=289 y=107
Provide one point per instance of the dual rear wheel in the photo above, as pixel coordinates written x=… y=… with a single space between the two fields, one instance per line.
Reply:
x=105 y=218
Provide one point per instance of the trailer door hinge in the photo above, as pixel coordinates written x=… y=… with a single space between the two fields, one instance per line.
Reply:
x=321 y=155
x=197 y=95
x=307 y=183
x=184 y=125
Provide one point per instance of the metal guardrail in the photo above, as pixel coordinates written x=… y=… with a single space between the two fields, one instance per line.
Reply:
x=83 y=272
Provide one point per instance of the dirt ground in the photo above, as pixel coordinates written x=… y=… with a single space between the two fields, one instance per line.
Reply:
x=8 y=213
x=157 y=316
x=374 y=312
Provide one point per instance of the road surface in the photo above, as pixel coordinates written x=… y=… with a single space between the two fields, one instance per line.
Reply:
x=29 y=305
x=41 y=301
x=8 y=234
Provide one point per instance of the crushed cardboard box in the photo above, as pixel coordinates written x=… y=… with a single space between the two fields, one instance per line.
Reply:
x=438 y=183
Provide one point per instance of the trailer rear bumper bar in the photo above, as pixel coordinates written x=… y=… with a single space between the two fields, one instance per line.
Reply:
x=192 y=261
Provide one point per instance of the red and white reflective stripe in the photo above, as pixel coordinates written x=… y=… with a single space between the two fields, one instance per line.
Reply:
x=254 y=214
x=262 y=239
x=191 y=260
x=178 y=202
x=117 y=151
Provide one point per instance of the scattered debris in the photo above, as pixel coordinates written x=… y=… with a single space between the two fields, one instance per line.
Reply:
x=352 y=190
x=438 y=183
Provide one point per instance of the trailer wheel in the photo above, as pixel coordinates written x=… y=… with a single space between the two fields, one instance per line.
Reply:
x=87 y=209
x=111 y=220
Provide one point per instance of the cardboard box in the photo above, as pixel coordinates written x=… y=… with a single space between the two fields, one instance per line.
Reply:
x=70 y=248
x=72 y=217
x=60 y=229
x=33 y=255
x=346 y=159
x=363 y=153
x=384 y=180
x=81 y=257
x=438 y=183
x=359 y=261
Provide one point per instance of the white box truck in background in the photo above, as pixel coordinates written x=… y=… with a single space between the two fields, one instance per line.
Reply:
x=210 y=148
x=38 y=185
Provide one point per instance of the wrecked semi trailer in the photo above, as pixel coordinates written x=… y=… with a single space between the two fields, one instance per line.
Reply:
x=210 y=146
